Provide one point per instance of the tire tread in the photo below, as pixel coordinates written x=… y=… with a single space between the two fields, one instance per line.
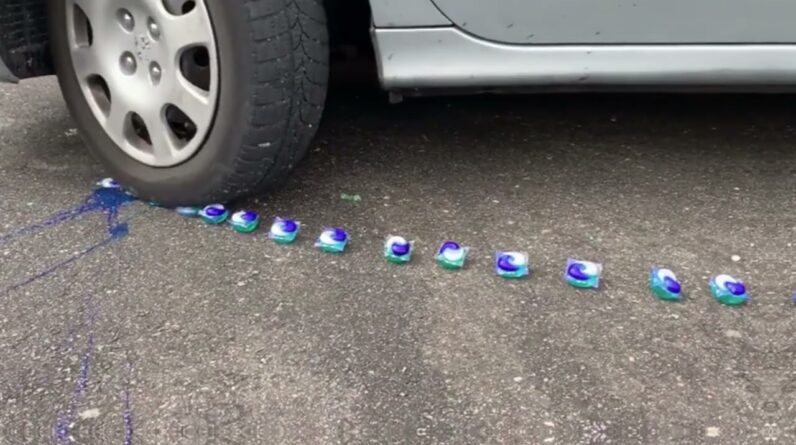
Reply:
x=288 y=89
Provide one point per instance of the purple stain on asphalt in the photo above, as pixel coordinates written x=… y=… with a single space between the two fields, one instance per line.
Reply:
x=127 y=418
x=65 y=215
x=107 y=201
x=50 y=270
x=65 y=420
x=61 y=430
x=127 y=412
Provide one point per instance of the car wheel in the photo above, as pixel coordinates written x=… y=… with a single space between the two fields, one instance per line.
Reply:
x=193 y=101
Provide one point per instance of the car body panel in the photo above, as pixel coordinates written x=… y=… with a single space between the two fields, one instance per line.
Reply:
x=624 y=21
x=406 y=13
x=421 y=58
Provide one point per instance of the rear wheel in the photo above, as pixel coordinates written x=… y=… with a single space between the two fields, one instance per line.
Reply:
x=193 y=101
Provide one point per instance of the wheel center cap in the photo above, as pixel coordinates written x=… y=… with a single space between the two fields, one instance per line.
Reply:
x=143 y=48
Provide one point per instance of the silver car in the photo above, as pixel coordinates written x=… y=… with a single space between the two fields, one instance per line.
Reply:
x=196 y=101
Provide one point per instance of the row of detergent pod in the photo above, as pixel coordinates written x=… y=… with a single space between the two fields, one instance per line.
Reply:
x=451 y=255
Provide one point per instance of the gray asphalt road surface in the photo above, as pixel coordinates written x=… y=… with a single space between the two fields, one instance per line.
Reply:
x=183 y=333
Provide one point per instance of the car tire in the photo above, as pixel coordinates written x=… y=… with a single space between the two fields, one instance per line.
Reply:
x=273 y=59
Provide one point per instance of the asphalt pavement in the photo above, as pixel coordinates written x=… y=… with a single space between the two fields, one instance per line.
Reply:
x=170 y=331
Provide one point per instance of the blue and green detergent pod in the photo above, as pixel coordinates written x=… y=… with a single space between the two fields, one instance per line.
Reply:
x=214 y=214
x=728 y=290
x=583 y=274
x=284 y=231
x=664 y=284
x=332 y=240
x=397 y=250
x=190 y=212
x=244 y=221
x=511 y=264
x=451 y=255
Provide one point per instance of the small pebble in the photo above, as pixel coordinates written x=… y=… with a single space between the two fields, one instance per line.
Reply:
x=92 y=413
x=732 y=333
x=712 y=431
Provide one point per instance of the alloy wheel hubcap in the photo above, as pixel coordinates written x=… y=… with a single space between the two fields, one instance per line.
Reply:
x=149 y=71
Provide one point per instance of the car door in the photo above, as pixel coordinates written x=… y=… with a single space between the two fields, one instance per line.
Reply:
x=530 y=22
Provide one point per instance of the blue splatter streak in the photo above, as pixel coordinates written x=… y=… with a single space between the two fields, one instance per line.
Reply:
x=62 y=425
x=127 y=412
x=56 y=266
x=108 y=201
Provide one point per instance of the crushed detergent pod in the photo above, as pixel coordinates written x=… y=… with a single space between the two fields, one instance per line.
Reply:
x=244 y=221
x=188 y=211
x=664 y=284
x=284 y=231
x=511 y=264
x=397 y=250
x=109 y=183
x=583 y=274
x=332 y=240
x=451 y=255
x=214 y=214
x=728 y=290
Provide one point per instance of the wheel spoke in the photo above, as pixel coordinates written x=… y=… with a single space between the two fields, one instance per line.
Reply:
x=117 y=118
x=85 y=61
x=163 y=147
x=96 y=11
x=191 y=29
x=191 y=100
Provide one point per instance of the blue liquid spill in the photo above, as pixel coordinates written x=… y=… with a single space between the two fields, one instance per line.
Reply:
x=127 y=411
x=105 y=200
x=62 y=425
x=109 y=199
x=119 y=231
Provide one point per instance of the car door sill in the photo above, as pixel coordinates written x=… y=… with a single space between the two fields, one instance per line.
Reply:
x=428 y=58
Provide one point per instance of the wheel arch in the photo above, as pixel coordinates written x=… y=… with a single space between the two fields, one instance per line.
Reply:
x=24 y=38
